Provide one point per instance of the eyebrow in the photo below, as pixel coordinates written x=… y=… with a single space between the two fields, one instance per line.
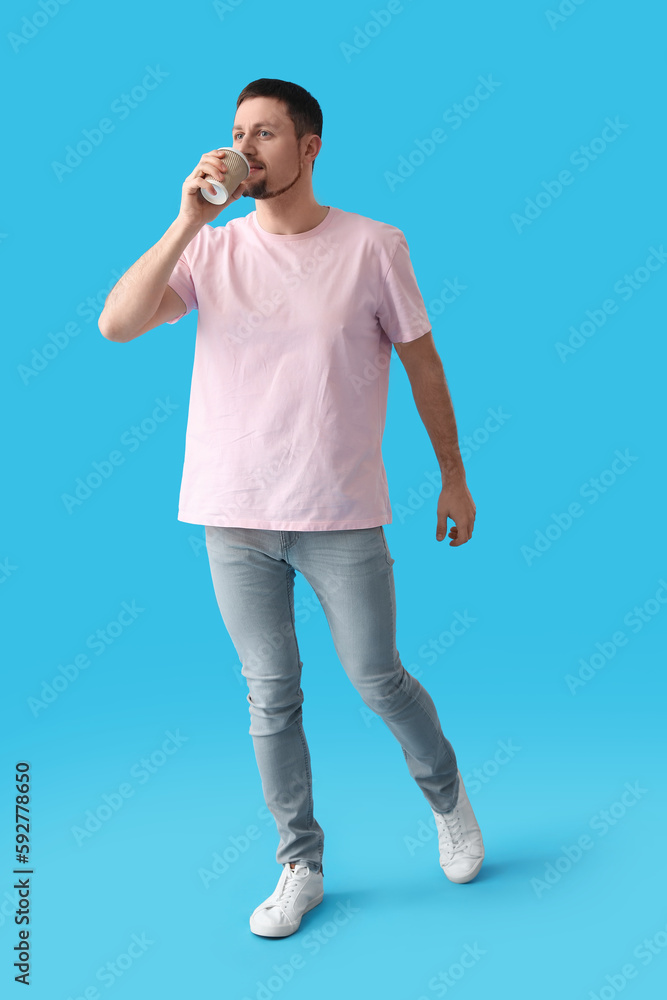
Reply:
x=257 y=125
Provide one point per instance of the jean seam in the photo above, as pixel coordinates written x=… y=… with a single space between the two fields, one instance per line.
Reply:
x=413 y=697
x=387 y=554
x=300 y=729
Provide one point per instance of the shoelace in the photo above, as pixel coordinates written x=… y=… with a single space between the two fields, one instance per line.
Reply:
x=454 y=841
x=284 y=897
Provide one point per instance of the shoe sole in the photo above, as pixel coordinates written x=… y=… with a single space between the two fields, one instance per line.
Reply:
x=285 y=931
x=469 y=877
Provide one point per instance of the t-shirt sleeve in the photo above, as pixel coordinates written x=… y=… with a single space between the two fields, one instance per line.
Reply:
x=182 y=283
x=402 y=313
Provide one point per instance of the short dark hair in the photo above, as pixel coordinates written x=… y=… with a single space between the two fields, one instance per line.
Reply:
x=301 y=106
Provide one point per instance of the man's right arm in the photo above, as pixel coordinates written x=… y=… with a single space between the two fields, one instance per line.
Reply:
x=141 y=299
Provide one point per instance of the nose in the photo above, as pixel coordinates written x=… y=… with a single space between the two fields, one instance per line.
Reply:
x=245 y=146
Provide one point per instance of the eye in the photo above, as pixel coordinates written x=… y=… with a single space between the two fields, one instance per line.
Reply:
x=237 y=134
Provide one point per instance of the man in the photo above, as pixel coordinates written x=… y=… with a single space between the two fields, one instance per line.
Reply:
x=299 y=305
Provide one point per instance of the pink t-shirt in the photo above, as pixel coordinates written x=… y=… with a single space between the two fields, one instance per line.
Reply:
x=291 y=371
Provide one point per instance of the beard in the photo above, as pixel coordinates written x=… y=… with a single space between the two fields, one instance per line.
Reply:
x=259 y=189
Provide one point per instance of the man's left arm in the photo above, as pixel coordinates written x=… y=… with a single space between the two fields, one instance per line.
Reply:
x=431 y=395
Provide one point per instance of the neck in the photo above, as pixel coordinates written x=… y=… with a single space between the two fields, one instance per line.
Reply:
x=290 y=213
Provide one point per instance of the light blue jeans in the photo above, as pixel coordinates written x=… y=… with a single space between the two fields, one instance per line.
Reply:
x=253 y=572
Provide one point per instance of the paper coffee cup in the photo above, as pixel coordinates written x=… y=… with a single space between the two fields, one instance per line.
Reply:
x=238 y=169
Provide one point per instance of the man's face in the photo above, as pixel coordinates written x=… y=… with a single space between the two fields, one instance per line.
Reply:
x=264 y=133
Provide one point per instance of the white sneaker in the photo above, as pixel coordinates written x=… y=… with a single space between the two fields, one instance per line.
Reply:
x=299 y=889
x=460 y=839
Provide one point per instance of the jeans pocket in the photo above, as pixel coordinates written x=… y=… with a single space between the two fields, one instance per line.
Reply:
x=387 y=554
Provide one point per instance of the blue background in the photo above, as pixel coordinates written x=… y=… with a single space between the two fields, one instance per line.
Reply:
x=538 y=618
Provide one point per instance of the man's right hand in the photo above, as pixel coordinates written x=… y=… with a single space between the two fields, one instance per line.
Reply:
x=195 y=211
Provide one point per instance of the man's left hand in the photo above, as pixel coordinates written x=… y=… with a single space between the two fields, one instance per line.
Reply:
x=456 y=503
